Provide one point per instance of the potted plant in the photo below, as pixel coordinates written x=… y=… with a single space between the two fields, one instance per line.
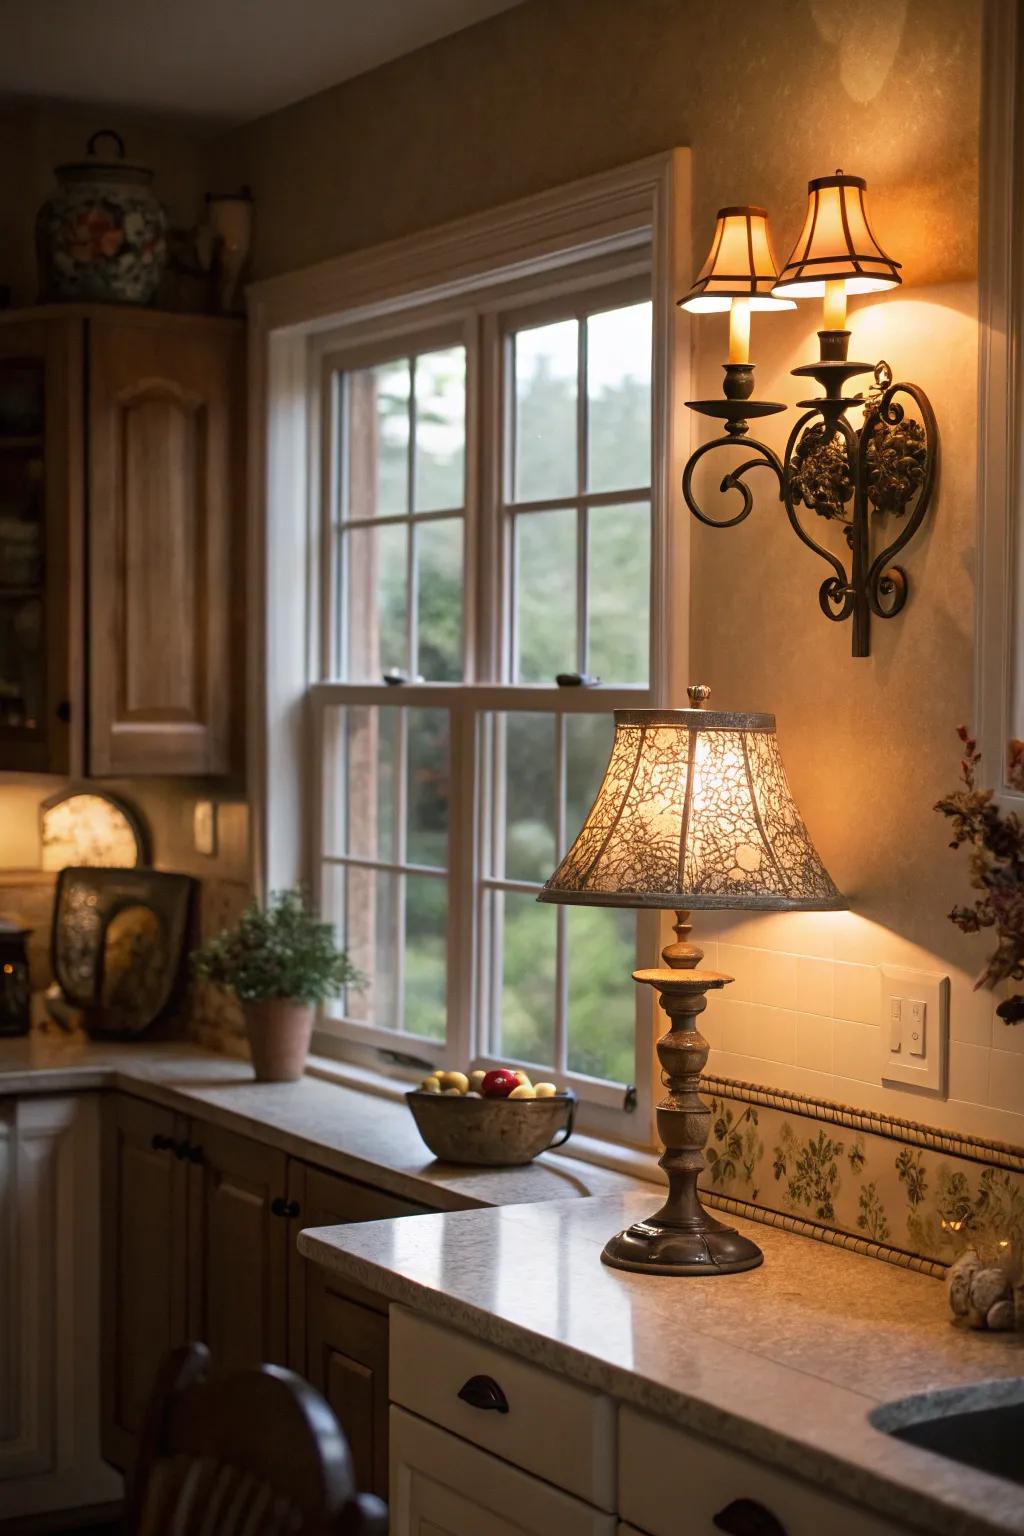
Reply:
x=280 y=961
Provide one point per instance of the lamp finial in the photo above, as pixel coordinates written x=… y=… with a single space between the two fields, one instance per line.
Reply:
x=698 y=694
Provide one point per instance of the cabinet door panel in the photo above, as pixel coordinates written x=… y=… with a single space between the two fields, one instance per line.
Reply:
x=165 y=492
x=441 y=1486
x=144 y=1261
x=343 y=1346
x=242 y=1266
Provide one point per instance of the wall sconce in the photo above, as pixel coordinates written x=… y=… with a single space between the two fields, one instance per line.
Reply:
x=856 y=477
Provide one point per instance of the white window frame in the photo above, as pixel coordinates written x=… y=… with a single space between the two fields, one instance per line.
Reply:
x=640 y=207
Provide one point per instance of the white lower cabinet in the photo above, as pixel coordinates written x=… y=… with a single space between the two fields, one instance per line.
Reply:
x=49 y=1307
x=444 y=1486
x=674 y=1483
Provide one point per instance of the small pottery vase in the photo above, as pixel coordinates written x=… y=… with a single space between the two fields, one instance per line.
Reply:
x=103 y=236
x=279 y=1031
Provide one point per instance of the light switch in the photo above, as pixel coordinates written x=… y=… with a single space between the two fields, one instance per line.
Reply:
x=914 y=1038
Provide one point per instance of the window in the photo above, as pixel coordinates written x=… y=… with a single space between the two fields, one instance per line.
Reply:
x=487 y=517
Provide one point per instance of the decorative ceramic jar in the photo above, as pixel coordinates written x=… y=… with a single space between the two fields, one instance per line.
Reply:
x=103 y=236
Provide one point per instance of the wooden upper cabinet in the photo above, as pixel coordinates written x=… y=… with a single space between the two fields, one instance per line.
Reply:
x=165 y=402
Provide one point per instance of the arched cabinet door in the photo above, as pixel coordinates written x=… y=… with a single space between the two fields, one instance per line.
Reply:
x=166 y=575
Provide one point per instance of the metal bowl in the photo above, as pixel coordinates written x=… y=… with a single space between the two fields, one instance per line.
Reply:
x=493 y=1133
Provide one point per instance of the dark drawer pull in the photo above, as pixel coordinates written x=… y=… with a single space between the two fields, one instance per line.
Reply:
x=279 y=1206
x=484 y=1392
x=194 y=1153
x=161 y=1143
x=745 y=1517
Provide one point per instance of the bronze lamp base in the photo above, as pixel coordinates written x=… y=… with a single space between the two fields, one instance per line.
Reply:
x=682 y=1238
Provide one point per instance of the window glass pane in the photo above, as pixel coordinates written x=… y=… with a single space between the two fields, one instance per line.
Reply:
x=440 y=385
x=376 y=600
x=359 y=810
x=529 y=796
x=376 y=431
x=588 y=745
x=371 y=939
x=601 y=950
x=427 y=791
x=545 y=411
x=22 y=663
x=426 y=956
x=528 y=968
x=332 y=910
x=545 y=595
x=439 y=600
x=619 y=398
x=619 y=578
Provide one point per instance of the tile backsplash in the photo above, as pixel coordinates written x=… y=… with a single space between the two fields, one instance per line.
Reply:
x=804 y=1015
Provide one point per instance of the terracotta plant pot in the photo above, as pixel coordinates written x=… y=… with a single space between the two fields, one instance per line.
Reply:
x=279 y=1032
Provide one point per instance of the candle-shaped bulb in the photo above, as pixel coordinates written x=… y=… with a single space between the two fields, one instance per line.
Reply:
x=739 y=331
x=834 y=308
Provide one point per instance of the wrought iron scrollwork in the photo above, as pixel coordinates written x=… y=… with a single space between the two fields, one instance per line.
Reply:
x=860 y=478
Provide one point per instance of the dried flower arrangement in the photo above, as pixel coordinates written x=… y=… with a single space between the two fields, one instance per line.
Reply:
x=996 y=870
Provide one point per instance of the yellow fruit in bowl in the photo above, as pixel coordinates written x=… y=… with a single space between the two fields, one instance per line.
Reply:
x=431 y=1084
x=522 y=1078
x=457 y=1080
x=523 y=1091
x=545 y=1090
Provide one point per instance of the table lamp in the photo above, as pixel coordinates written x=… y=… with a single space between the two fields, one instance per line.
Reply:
x=694 y=812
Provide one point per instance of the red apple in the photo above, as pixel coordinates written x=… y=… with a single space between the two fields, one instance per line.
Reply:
x=498 y=1084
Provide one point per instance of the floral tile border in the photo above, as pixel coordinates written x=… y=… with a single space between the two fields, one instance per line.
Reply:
x=902 y=1191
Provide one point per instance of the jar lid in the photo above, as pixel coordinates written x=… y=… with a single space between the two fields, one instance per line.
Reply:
x=97 y=168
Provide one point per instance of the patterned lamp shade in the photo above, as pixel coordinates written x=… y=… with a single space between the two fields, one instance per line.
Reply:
x=694 y=812
x=740 y=265
x=836 y=244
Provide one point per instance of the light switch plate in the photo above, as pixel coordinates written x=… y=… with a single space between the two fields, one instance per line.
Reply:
x=921 y=1001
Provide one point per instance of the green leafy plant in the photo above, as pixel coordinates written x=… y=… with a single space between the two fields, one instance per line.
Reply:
x=282 y=950
x=996 y=868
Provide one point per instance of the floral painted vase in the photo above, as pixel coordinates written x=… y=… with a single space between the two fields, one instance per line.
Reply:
x=103 y=236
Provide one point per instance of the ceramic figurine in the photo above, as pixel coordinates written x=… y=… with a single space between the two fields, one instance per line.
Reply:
x=102 y=237
x=981 y=1294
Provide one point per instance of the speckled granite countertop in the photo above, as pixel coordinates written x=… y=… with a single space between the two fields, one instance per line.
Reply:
x=783 y=1363
x=346 y=1130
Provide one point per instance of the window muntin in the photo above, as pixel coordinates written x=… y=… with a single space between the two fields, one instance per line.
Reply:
x=399 y=521
x=577 y=467
x=384 y=863
x=557 y=987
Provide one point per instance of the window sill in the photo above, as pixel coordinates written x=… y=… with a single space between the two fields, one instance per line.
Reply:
x=637 y=1162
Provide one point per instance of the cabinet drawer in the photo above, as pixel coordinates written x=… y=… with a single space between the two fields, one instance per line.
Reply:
x=440 y=1486
x=562 y=1432
x=673 y=1483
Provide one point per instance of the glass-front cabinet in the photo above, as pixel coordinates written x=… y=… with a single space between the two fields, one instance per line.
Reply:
x=39 y=515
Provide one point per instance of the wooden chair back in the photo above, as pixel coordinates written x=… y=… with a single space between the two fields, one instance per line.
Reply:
x=258 y=1453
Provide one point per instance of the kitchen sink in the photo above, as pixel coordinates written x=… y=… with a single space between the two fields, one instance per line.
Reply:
x=981 y=1426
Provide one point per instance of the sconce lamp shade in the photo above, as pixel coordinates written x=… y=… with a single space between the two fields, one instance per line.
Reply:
x=836 y=244
x=740 y=265
x=694 y=812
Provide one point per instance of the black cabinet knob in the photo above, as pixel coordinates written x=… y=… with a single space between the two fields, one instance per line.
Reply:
x=745 y=1517
x=161 y=1143
x=181 y=1150
x=279 y=1206
x=194 y=1153
x=63 y=711
x=483 y=1392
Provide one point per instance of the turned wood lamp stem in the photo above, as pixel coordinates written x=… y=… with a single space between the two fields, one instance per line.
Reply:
x=682 y=1238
